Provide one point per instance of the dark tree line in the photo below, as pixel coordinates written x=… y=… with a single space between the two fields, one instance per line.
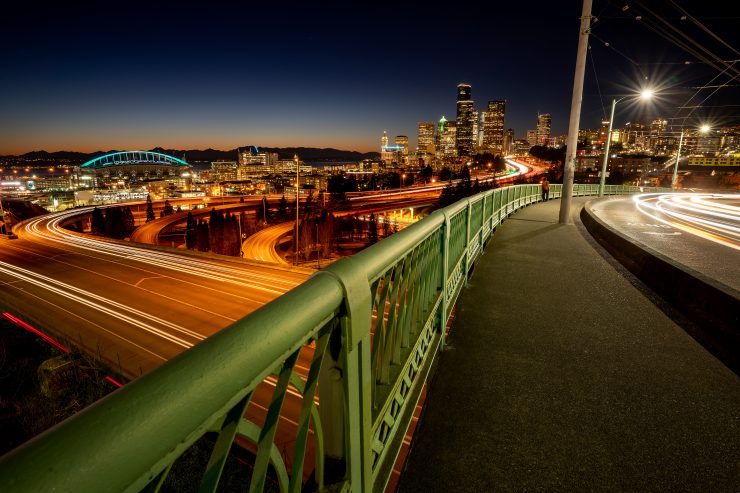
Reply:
x=149 y=209
x=220 y=233
x=464 y=188
x=114 y=222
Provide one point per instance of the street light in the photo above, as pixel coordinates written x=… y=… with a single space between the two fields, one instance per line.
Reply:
x=645 y=94
x=403 y=178
x=703 y=129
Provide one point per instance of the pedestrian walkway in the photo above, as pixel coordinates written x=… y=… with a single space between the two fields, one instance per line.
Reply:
x=562 y=375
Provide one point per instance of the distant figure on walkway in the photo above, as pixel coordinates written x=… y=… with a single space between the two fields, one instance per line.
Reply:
x=545 y=189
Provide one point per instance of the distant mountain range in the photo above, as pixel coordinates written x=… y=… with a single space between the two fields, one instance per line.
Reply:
x=195 y=155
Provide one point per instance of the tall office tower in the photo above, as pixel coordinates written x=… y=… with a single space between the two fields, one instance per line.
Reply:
x=426 y=137
x=446 y=139
x=493 y=127
x=532 y=137
x=402 y=144
x=464 y=123
x=402 y=141
x=508 y=142
x=543 y=129
x=384 y=140
x=476 y=129
x=658 y=138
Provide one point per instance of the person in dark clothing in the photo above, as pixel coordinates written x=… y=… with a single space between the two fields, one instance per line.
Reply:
x=545 y=189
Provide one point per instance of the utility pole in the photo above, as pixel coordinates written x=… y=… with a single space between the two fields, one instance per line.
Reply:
x=675 y=166
x=575 y=116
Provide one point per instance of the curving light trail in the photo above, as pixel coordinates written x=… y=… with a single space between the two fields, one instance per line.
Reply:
x=712 y=216
x=50 y=228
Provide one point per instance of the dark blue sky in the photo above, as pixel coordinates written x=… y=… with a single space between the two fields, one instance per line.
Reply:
x=92 y=76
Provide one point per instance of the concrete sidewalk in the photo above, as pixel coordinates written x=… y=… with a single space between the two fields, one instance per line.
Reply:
x=563 y=376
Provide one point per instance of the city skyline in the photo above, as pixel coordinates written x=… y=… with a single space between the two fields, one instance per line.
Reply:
x=337 y=80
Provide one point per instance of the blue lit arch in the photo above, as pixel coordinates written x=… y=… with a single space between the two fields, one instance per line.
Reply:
x=124 y=158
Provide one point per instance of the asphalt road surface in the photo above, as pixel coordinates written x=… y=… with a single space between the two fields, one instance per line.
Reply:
x=700 y=231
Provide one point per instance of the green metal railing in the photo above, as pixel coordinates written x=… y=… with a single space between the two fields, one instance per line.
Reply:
x=368 y=328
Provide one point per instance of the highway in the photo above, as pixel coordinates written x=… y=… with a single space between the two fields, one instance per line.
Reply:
x=132 y=305
x=136 y=308
x=698 y=230
x=261 y=245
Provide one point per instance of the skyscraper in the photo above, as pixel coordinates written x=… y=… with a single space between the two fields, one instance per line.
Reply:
x=446 y=139
x=465 y=118
x=493 y=127
x=532 y=137
x=543 y=129
x=402 y=144
x=426 y=137
x=508 y=142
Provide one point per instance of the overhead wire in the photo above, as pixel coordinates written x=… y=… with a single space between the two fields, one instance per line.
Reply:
x=596 y=77
x=692 y=47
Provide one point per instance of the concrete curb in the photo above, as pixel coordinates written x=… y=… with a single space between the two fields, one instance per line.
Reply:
x=711 y=305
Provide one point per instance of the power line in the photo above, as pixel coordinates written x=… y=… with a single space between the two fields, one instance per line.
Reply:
x=598 y=87
x=689 y=45
x=702 y=26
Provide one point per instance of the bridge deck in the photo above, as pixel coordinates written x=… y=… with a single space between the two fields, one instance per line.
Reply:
x=563 y=375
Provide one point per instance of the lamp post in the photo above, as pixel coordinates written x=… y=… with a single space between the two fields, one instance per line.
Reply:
x=704 y=129
x=646 y=94
x=403 y=178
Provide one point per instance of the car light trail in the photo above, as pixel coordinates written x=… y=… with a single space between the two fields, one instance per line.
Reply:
x=50 y=229
x=20 y=323
x=86 y=298
x=709 y=216
x=111 y=380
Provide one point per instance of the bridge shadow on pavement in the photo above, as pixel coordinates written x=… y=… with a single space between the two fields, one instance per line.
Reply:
x=562 y=375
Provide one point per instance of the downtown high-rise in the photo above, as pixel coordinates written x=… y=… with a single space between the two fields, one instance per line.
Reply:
x=464 y=138
x=493 y=127
x=426 y=137
x=544 y=122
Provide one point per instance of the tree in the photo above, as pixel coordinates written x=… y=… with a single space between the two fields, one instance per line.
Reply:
x=372 y=233
x=465 y=173
x=283 y=209
x=327 y=233
x=216 y=231
x=231 y=240
x=114 y=227
x=426 y=173
x=447 y=196
x=190 y=232
x=97 y=222
x=129 y=223
x=201 y=240
x=168 y=210
x=305 y=237
x=309 y=201
x=149 y=209
x=446 y=174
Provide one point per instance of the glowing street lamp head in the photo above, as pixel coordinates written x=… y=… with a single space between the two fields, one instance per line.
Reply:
x=704 y=129
x=647 y=93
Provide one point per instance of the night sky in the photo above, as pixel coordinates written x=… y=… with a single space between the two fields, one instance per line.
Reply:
x=94 y=76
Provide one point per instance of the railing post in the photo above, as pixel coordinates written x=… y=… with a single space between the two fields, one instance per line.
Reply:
x=445 y=276
x=468 y=214
x=345 y=383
